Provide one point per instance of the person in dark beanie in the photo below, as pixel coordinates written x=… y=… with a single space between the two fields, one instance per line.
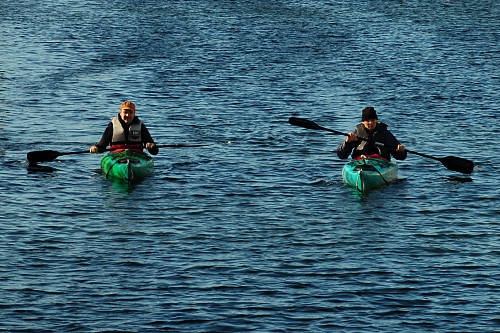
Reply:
x=376 y=132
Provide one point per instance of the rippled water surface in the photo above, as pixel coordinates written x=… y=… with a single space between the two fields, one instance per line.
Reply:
x=255 y=232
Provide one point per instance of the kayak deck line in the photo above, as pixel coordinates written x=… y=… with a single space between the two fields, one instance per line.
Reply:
x=367 y=167
x=126 y=165
x=368 y=173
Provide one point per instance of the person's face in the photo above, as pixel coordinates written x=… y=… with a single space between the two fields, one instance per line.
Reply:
x=127 y=115
x=370 y=124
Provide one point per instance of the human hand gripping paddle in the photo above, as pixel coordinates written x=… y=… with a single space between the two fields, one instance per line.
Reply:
x=450 y=162
x=50 y=155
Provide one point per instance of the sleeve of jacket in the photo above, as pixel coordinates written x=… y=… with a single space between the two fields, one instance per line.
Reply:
x=345 y=149
x=393 y=143
x=146 y=137
x=106 y=138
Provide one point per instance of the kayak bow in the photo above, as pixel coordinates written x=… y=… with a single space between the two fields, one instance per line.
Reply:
x=367 y=173
x=126 y=165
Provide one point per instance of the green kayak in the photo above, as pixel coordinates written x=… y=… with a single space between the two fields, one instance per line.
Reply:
x=367 y=173
x=126 y=165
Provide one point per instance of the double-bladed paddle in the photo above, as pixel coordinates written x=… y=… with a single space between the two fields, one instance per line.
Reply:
x=450 y=162
x=50 y=155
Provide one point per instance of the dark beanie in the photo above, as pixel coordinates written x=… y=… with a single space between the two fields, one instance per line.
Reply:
x=369 y=113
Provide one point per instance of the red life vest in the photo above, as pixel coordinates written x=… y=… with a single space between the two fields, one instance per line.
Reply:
x=371 y=156
x=120 y=141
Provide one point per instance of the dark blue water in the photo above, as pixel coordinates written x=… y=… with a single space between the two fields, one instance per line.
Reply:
x=256 y=232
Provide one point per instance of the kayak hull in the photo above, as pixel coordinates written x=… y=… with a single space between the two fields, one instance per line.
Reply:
x=126 y=165
x=368 y=173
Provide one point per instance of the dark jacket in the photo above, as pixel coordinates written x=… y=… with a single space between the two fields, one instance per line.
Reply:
x=361 y=147
x=108 y=135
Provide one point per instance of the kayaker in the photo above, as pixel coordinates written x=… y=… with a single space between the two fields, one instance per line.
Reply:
x=126 y=131
x=375 y=131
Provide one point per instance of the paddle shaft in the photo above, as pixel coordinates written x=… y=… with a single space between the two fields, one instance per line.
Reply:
x=375 y=142
x=337 y=132
x=50 y=155
x=423 y=155
x=182 y=145
x=306 y=123
x=451 y=162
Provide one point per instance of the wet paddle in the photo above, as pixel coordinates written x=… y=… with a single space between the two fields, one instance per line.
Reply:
x=50 y=155
x=453 y=163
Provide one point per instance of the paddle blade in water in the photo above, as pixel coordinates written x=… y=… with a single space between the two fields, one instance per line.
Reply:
x=458 y=164
x=42 y=156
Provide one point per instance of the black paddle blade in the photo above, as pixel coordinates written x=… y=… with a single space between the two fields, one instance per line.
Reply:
x=458 y=164
x=42 y=156
x=305 y=123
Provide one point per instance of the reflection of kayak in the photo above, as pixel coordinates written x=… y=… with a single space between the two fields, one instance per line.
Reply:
x=367 y=173
x=126 y=165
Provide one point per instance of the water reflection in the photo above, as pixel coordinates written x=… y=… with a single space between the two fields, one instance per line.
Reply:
x=35 y=168
x=122 y=186
x=458 y=179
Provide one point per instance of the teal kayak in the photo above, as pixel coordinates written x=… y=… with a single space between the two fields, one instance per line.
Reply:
x=367 y=173
x=126 y=165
